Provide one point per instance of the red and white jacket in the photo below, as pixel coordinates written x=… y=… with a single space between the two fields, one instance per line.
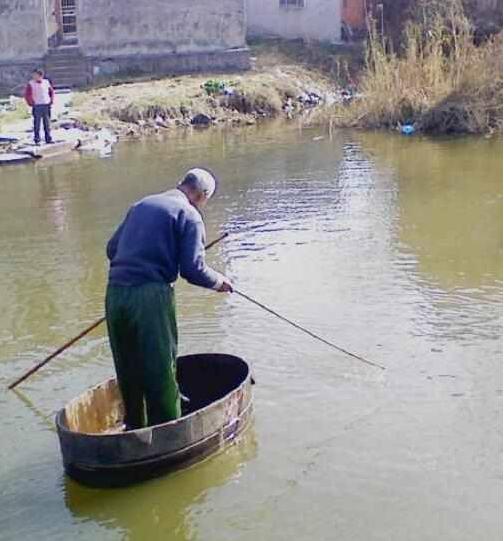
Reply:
x=39 y=93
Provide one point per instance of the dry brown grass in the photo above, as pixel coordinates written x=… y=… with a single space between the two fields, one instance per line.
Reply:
x=442 y=81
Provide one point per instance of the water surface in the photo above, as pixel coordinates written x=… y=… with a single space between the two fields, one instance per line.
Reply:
x=388 y=246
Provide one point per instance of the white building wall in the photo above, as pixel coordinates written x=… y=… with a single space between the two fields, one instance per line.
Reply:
x=317 y=20
x=122 y=27
x=23 y=33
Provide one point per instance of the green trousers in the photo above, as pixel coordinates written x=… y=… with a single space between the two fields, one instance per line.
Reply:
x=142 y=328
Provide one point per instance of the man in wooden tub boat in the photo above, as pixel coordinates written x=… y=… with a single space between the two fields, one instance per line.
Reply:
x=161 y=236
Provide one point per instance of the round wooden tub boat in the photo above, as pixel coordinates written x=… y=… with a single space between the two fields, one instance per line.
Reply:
x=97 y=452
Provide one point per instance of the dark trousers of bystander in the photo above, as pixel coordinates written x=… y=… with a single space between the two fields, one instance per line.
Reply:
x=42 y=114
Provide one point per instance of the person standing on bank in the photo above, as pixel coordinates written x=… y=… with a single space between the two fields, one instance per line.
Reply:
x=161 y=236
x=39 y=95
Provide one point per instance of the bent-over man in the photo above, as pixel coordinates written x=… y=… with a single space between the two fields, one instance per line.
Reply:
x=162 y=235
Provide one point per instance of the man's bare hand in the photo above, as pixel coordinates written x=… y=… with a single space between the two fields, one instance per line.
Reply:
x=226 y=287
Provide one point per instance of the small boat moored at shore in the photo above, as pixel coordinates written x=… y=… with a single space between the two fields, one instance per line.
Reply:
x=97 y=452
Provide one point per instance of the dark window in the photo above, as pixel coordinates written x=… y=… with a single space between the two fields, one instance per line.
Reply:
x=292 y=3
x=69 y=16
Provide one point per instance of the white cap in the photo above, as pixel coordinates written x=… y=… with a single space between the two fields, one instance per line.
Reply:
x=207 y=183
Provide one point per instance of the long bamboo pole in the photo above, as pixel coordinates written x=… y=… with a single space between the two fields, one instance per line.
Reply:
x=86 y=331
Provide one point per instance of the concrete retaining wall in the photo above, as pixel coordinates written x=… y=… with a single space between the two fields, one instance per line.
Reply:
x=15 y=75
x=102 y=68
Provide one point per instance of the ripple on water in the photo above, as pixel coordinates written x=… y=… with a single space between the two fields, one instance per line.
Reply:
x=366 y=239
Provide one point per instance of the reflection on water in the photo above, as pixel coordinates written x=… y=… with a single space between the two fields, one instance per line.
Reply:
x=448 y=229
x=163 y=507
x=449 y=211
x=387 y=246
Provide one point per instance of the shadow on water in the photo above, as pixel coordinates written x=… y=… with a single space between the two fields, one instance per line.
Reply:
x=45 y=420
x=164 y=508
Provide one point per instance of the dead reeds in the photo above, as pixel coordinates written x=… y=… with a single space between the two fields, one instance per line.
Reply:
x=440 y=81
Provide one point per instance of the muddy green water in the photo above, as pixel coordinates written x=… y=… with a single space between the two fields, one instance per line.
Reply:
x=389 y=246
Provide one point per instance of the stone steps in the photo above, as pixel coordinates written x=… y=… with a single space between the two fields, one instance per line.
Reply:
x=61 y=61
x=66 y=67
x=64 y=50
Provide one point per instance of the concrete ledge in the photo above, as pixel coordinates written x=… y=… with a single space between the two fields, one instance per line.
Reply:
x=169 y=64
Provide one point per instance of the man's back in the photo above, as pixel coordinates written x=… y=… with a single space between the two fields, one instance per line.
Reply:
x=161 y=235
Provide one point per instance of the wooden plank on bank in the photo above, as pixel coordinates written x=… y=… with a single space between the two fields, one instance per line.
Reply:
x=49 y=151
x=15 y=158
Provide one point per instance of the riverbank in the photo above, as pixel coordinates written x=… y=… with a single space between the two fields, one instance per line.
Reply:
x=280 y=84
x=287 y=80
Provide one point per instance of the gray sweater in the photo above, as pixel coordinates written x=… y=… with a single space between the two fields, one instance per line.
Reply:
x=162 y=235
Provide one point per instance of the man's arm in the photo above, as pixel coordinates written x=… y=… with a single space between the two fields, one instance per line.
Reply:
x=193 y=267
x=51 y=92
x=28 y=95
x=114 y=241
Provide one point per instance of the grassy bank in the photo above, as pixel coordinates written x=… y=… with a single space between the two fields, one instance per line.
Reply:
x=441 y=81
x=280 y=84
x=19 y=113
